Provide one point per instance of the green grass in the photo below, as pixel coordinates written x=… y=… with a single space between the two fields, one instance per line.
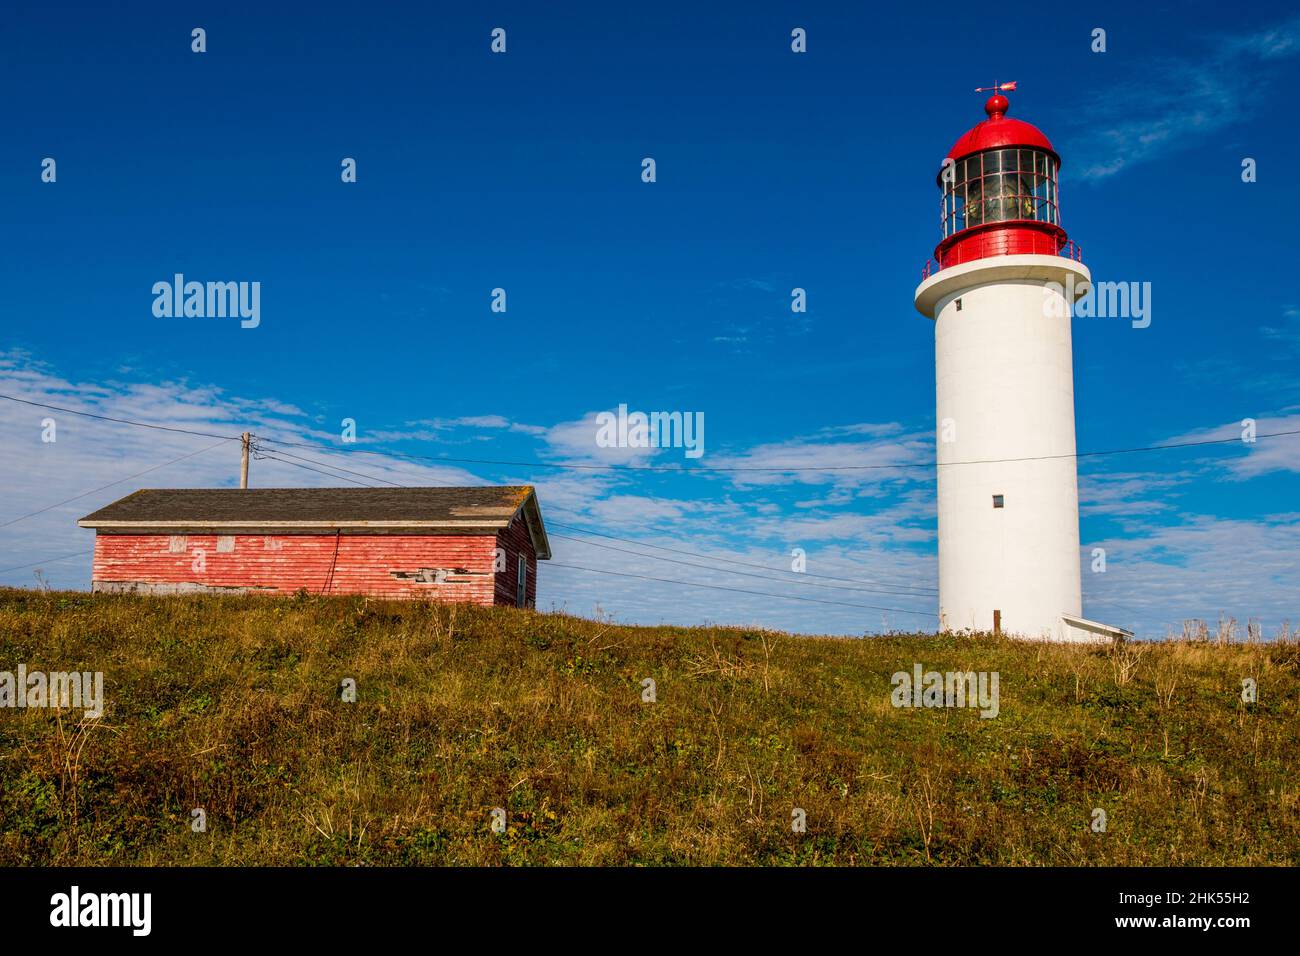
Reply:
x=231 y=704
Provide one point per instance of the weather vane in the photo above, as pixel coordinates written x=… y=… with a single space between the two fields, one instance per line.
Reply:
x=997 y=88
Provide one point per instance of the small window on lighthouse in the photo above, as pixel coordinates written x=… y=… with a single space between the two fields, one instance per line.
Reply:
x=959 y=305
x=997 y=501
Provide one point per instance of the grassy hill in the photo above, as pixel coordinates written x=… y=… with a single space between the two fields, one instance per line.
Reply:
x=232 y=704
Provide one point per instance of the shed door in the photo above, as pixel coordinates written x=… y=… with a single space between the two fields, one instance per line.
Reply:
x=521 y=593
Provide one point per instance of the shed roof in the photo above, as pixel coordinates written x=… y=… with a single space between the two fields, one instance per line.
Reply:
x=461 y=510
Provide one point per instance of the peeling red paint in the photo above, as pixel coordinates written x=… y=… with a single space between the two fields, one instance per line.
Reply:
x=381 y=565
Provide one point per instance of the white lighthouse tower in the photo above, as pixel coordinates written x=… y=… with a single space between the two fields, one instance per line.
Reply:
x=1007 y=484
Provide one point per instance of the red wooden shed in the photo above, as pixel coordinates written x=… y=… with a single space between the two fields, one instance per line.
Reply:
x=477 y=545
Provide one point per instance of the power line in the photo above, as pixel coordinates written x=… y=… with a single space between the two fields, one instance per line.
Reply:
x=670 y=560
x=112 y=483
x=284 y=461
x=118 y=421
x=323 y=464
x=306 y=464
x=698 y=469
x=887 y=584
x=555 y=524
x=1112 y=603
x=1116 y=451
x=694 y=554
x=748 y=574
x=719 y=587
x=300 y=464
x=747 y=564
x=45 y=561
x=776 y=469
x=624 y=540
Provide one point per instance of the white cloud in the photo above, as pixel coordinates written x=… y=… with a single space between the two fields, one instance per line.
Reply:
x=875 y=529
x=1157 y=576
x=575 y=443
x=1241 y=460
x=1289 y=330
x=1178 y=102
x=1127 y=493
x=90 y=453
x=891 y=457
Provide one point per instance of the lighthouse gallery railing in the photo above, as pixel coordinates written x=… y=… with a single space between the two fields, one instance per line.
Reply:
x=1070 y=250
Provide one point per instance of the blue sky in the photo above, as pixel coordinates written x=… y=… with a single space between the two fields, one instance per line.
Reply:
x=774 y=171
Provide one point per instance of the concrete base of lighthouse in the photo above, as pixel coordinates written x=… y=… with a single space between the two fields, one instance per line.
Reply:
x=1007 y=487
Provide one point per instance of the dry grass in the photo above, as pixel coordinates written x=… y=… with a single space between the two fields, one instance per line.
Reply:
x=231 y=704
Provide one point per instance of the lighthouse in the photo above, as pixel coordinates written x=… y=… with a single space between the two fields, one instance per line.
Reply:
x=999 y=292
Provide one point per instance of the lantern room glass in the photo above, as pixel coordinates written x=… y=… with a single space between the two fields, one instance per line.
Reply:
x=1000 y=185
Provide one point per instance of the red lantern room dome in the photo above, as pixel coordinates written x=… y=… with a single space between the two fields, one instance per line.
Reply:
x=999 y=130
x=999 y=186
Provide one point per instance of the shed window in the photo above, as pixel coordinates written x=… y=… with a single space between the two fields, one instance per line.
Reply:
x=176 y=544
x=521 y=594
x=225 y=543
x=997 y=501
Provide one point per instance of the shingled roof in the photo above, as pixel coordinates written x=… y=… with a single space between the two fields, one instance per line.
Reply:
x=471 y=510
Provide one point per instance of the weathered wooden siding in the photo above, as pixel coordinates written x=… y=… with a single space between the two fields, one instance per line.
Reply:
x=392 y=565
x=516 y=541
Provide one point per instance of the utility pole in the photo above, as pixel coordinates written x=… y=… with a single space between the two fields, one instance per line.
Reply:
x=243 y=463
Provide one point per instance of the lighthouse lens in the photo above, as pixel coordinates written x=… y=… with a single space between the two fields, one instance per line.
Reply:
x=1000 y=185
x=975 y=202
x=993 y=197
